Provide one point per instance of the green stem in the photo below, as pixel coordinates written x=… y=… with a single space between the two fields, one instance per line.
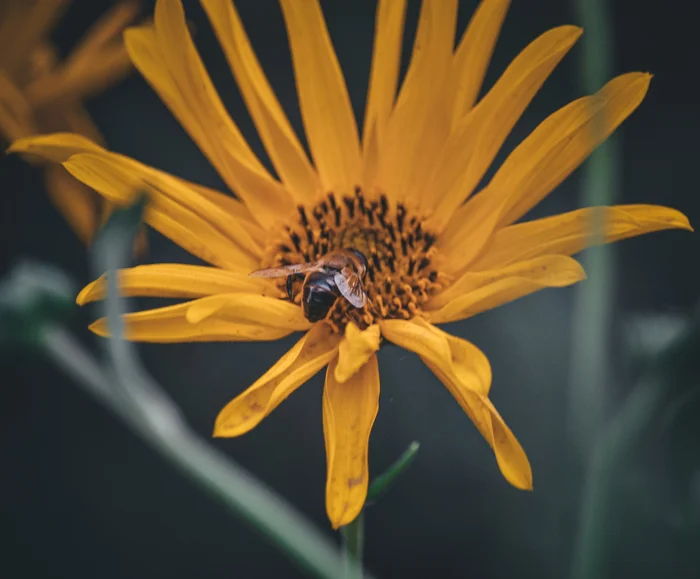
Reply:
x=353 y=547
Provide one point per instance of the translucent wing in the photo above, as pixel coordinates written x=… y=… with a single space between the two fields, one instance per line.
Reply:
x=285 y=270
x=350 y=285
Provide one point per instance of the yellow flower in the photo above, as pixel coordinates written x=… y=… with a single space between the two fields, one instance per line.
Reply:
x=402 y=196
x=39 y=93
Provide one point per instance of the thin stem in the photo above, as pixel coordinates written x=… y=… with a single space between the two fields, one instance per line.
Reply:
x=152 y=415
x=353 y=547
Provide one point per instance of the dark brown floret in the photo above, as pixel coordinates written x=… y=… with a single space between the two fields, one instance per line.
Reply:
x=400 y=275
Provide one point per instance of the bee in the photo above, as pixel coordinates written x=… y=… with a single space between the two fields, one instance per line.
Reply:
x=335 y=274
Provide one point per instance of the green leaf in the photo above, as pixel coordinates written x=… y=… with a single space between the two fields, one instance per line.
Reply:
x=380 y=485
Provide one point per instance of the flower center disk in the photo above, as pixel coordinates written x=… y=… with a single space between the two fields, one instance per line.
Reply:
x=400 y=273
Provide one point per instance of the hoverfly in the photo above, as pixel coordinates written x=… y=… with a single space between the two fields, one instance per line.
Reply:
x=335 y=274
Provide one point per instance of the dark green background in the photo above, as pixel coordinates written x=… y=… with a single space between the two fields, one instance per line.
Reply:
x=82 y=497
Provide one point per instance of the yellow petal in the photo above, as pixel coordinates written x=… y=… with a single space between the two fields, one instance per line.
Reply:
x=325 y=106
x=281 y=143
x=497 y=287
x=549 y=155
x=461 y=358
x=419 y=123
x=466 y=373
x=57 y=147
x=355 y=349
x=173 y=280
x=571 y=232
x=472 y=57
x=244 y=307
x=170 y=324
x=77 y=203
x=349 y=410
x=477 y=138
x=384 y=74
x=174 y=207
x=510 y=456
x=306 y=358
x=167 y=58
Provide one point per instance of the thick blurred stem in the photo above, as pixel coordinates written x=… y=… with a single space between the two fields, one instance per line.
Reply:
x=675 y=367
x=590 y=361
x=353 y=547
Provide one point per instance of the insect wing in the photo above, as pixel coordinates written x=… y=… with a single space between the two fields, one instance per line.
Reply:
x=285 y=270
x=350 y=286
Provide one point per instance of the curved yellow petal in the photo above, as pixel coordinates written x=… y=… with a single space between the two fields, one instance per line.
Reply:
x=173 y=280
x=168 y=59
x=384 y=74
x=170 y=325
x=543 y=160
x=244 y=307
x=571 y=232
x=419 y=123
x=325 y=106
x=497 y=287
x=306 y=358
x=355 y=349
x=510 y=456
x=472 y=57
x=56 y=147
x=286 y=153
x=211 y=235
x=477 y=138
x=460 y=357
x=466 y=373
x=349 y=410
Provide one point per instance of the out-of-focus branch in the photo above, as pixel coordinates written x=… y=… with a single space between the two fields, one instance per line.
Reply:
x=590 y=360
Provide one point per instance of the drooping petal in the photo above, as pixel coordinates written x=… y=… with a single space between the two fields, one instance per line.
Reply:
x=464 y=375
x=168 y=59
x=173 y=324
x=306 y=358
x=286 y=153
x=570 y=232
x=355 y=349
x=510 y=456
x=173 y=280
x=419 y=123
x=477 y=138
x=349 y=410
x=480 y=291
x=325 y=106
x=384 y=74
x=462 y=358
x=543 y=160
x=472 y=57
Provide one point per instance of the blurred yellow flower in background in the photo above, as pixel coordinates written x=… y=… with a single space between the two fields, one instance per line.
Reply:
x=41 y=93
x=404 y=194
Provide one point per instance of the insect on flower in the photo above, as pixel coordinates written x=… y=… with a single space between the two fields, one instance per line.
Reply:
x=337 y=273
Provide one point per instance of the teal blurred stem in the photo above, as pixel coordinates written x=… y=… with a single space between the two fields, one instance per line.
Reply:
x=667 y=374
x=353 y=547
x=125 y=388
x=590 y=360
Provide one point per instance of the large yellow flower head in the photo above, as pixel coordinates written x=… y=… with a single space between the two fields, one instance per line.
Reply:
x=403 y=195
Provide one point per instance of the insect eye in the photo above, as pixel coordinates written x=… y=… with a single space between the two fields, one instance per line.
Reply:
x=361 y=256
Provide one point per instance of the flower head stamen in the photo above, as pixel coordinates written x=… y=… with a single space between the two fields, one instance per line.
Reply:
x=399 y=253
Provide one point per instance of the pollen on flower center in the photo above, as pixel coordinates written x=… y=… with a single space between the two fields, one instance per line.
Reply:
x=399 y=252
